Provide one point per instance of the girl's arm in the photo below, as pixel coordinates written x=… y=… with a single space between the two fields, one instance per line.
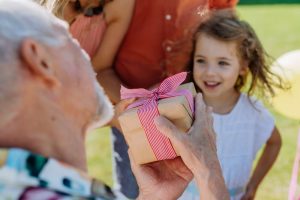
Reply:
x=118 y=15
x=265 y=163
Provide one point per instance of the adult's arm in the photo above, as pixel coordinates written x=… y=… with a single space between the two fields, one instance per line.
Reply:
x=118 y=15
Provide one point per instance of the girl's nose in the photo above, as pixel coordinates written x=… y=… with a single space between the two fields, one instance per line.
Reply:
x=210 y=70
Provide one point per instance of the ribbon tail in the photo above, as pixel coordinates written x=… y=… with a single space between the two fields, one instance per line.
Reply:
x=134 y=93
x=160 y=144
x=171 y=83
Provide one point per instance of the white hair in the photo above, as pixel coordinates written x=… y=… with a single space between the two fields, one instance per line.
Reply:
x=20 y=19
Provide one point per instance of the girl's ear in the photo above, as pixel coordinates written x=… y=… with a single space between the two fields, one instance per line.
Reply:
x=244 y=70
x=244 y=67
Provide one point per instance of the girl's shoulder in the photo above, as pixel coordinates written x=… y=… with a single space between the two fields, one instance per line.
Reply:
x=253 y=111
x=251 y=103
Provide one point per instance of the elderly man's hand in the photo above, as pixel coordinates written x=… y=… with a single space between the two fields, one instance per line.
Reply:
x=165 y=179
x=199 y=142
x=168 y=179
x=198 y=151
x=119 y=109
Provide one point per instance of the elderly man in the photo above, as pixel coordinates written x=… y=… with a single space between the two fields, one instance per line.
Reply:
x=49 y=98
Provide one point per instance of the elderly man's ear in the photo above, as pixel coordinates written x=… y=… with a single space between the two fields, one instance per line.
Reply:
x=38 y=62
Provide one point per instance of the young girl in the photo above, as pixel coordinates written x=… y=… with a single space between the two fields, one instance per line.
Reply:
x=227 y=53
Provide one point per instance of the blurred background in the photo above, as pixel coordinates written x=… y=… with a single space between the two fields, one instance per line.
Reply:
x=277 y=24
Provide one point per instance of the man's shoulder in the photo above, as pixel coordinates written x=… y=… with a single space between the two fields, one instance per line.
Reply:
x=33 y=174
x=3 y=156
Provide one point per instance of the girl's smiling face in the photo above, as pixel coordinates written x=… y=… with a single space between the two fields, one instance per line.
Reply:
x=217 y=66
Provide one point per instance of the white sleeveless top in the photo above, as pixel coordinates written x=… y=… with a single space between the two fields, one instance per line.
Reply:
x=240 y=134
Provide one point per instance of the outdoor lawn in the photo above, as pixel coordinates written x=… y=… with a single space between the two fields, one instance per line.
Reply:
x=278 y=26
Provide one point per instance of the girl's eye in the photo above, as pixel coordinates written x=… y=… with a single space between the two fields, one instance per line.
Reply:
x=200 y=61
x=223 y=63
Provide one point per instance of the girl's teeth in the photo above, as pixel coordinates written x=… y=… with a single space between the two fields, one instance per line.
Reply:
x=211 y=83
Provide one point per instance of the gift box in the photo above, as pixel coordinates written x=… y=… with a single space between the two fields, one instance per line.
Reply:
x=143 y=146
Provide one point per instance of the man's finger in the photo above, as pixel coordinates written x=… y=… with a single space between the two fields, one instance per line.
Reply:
x=168 y=128
x=125 y=103
x=210 y=122
x=200 y=107
x=135 y=168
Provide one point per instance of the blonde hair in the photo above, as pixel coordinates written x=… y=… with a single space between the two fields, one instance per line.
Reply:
x=54 y=6
x=58 y=7
x=47 y=30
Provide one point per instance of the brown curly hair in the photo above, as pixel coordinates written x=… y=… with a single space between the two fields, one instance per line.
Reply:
x=224 y=25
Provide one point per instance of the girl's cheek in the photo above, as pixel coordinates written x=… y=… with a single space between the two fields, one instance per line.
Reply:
x=197 y=77
x=197 y=72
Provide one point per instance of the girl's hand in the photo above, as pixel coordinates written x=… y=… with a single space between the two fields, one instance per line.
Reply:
x=250 y=192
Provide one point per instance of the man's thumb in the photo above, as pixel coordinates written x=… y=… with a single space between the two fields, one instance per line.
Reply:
x=167 y=128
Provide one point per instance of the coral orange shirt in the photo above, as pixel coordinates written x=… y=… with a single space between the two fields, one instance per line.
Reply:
x=158 y=43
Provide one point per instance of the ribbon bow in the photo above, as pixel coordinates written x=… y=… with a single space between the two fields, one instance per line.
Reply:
x=160 y=144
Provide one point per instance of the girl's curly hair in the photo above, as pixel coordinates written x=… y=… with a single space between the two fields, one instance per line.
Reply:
x=224 y=25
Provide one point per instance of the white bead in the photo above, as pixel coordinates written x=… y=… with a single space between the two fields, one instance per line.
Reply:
x=168 y=48
x=168 y=17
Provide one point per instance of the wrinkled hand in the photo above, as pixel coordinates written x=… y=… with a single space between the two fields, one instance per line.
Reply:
x=198 y=151
x=250 y=192
x=199 y=142
x=165 y=179
x=119 y=109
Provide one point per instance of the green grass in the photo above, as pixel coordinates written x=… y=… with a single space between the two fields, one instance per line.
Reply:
x=99 y=154
x=278 y=27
